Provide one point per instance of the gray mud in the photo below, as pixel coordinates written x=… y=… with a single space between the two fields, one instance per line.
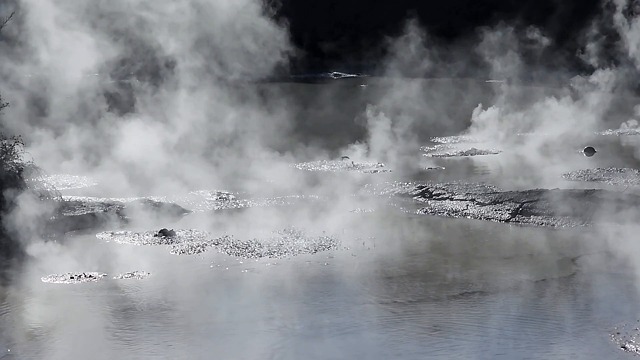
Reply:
x=75 y=213
x=610 y=176
x=455 y=139
x=82 y=213
x=68 y=182
x=342 y=166
x=283 y=243
x=620 y=132
x=538 y=207
x=448 y=151
x=132 y=275
x=627 y=337
x=151 y=238
x=87 y=277
x=73 y=278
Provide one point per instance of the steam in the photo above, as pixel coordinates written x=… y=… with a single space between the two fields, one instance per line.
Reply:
x=130 y=89
x=163 y=98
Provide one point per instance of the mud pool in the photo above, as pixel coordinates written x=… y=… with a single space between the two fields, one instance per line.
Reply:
x=463 y=253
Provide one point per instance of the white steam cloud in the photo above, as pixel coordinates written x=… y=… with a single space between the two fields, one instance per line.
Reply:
x=176 y=69
x=162 y=97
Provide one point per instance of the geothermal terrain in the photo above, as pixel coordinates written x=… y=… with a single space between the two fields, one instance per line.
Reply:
x=450 y=245
x=199 y=188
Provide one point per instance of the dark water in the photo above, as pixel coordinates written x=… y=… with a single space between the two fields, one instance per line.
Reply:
x=400 y=286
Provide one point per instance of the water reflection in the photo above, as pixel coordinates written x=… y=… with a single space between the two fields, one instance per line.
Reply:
x=424 y=288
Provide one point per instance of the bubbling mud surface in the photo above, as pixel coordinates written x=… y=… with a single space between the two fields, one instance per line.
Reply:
x=456 y=139
x=620 y=132
x=73 y=278
x=151 y=238
x=282 y=243
x=534 y=207
x=68 y=182
x=449 y=150
x=610 y=176
x=342 y=165
x=135 y=275
x=87 y=277
x=627 y=337
x=195 y=201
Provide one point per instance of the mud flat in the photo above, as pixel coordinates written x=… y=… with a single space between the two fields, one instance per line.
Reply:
x=68 y=182
x=539 y=207
x=343 y=166
x=75 y=213
x=73 y=278
x=610 y=176
x=281 y=243
x=627 y=337
x=451 y=151
x=88 y=277
x=132 y=275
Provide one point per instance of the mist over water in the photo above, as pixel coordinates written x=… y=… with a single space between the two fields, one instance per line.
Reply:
x=190 y=103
